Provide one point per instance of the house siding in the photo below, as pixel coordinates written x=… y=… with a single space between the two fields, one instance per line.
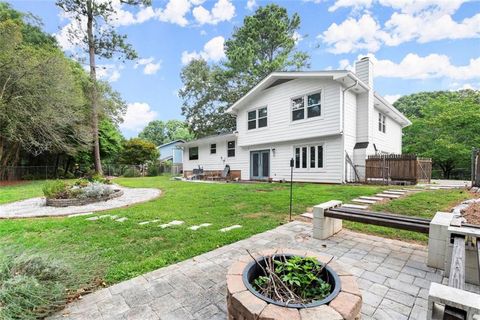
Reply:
x=280 y=128
x=391 y=140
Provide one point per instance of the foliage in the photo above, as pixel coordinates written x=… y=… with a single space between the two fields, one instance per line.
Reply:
x=153 y=170
x=57 y=189
x=31 y=286
x=301 y=275
x=263 y=44
x=138 y=151
x=95 y=190
x=445 y=127
x=160 y=132
x=132 y=172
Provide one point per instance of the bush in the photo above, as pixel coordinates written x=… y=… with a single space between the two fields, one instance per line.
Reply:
x=95 y=190
x=132 y=172
x=31 y=287
x=153 y=171
x=57 y=189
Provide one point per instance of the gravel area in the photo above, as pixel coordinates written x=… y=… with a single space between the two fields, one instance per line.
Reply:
x=35 y=207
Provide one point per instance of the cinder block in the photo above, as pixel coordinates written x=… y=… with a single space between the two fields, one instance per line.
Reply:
x=325 y=227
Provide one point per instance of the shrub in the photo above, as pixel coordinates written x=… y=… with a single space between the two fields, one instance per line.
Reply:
x=69 y=175
x=153 y=171
x=81 y=182
x=31 y=287
x=57 y=189
x=96 y=190
x=132 y=172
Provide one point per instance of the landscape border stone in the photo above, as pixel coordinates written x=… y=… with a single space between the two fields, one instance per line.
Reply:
x=61 y=203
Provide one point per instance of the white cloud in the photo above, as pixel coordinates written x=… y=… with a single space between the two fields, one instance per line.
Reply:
x=149 y=65
x=297 y=37
x=223 y=10
x=414 y=20
x=251 y=4
x=175 y=12
x=392 y=97
x=108 y=72
x=138 y=115
x=213 y=50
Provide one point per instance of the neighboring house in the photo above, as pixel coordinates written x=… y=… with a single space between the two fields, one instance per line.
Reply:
x=320 y=119
x=171 y=152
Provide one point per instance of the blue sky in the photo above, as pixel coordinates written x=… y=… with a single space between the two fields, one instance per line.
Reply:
x=417 y=45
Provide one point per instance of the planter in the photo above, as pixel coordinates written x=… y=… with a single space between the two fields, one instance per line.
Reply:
x=244 y=302
x=81 y=202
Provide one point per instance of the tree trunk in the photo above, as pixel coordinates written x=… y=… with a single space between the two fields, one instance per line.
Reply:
x=94 y=95
x=477 y=169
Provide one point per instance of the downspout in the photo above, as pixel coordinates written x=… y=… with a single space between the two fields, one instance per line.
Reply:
x=343 y=127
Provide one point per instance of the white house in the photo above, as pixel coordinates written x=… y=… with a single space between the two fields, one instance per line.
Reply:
x=321 y=119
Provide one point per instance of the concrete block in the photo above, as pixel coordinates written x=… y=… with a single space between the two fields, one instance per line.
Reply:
x=325 y=227
x=444 y=295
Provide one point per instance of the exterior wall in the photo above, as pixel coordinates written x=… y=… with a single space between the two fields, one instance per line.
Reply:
x=391 y=140
x=280 y=155
x=177 y=155
x=350 y=131
x=280 y=127
x=173 y=151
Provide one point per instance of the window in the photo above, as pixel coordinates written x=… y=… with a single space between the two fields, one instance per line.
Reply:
x=309 y=157
x=213 y=148
x=381 y=122
x=193 y=153
x=311 y=102
x=257 y=118
x=231 y=148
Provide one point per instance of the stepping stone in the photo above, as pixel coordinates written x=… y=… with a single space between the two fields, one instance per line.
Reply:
x=355 y=206
x=200 y=226
x=122 y=219
x=172 y=223
x=147 y=222
x=394 y=192
x=236 y=226
x=307 y=215
x=371 y=198
x=92 y=218
x=390 y=196
x=80 y=214
x=400 y=190
x=364 y=201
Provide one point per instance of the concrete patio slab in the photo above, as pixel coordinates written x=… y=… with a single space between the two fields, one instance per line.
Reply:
x=392 y=276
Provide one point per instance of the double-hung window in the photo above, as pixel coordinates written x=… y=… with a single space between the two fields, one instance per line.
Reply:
x=193 y=153
x=309 y=157
x=382 y=119
x=231 y=148
x=213 y=148
x=307 y=106
x=257 y=118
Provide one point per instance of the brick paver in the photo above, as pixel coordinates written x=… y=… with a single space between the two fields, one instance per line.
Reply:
x=392 y=276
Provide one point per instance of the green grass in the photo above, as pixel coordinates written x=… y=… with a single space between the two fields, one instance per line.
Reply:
x=21 y=191
x=423 y=204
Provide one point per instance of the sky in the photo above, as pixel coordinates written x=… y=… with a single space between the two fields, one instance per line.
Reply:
x=416 y=45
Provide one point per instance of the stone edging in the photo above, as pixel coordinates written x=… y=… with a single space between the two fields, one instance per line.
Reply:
x=81 y=202
x=242 y=304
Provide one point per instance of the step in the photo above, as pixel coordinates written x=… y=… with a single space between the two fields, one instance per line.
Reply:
x=307 y=215
x=399 y=190
x=354 y=206
x=394 y=192
x=390 y=196
x=364 y=201
x=371 y=198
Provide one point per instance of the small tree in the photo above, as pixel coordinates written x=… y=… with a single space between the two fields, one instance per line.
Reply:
x=138 y=151
x=99 y=38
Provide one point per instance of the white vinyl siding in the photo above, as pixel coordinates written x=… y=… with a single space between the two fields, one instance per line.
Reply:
x=391 y=140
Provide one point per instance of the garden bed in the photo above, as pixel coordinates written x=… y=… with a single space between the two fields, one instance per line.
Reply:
x=59 y=203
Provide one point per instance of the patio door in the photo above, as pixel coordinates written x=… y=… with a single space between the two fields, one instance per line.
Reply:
x=260 y=164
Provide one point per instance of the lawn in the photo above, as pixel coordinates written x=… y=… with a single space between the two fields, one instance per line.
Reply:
x=21 y=191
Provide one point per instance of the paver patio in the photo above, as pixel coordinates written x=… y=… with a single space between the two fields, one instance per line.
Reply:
x=392 y=275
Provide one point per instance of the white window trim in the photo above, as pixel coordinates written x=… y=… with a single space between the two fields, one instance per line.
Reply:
x=305 y=106
x=234 y=148
x=198 y=153
x=256 y=118
x=216 y=147
x=308 y=168
x=382 y=121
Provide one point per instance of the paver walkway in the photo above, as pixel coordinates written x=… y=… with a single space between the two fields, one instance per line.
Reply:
x=35 y=207
x=392 y=275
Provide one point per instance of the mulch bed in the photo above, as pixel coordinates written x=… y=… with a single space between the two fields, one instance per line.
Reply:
x=472 y=213
x=11 y=183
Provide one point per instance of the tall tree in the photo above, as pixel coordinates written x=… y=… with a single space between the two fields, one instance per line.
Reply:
x=160 y=132
x=99 y=38
x=266 y=42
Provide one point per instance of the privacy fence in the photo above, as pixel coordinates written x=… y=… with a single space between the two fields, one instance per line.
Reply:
x=398 y=168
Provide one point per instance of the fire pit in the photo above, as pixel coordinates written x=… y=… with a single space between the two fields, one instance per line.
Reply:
x=244 y=301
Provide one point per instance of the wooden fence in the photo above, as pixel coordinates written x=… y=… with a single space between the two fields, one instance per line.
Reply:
x=398 y=168
x=476 y=167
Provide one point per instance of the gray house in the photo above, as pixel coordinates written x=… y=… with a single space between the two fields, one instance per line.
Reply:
x=171 y=152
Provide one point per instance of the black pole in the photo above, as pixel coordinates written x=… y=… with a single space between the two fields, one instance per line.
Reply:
x=291 y=187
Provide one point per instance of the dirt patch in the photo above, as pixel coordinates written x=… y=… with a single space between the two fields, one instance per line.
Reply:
x=12 y=183
x=256 y=215
x=472 y=213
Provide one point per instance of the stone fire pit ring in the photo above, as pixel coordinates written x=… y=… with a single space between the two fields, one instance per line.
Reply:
x=243 y=303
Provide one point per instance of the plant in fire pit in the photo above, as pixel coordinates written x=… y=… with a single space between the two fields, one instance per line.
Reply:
x=292 y=280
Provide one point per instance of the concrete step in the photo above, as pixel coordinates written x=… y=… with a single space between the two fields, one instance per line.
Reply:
x=394 y=192
x=355 y=206
x=399 y=190
x=364 y=201
x=307 y=215
x=390 y=196
x=371 y=198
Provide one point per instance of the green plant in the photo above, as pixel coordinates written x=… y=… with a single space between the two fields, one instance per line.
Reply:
x=153 y=171
x=132 y=172
x=81 y=182
x=56 y=189
x=301 y=275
